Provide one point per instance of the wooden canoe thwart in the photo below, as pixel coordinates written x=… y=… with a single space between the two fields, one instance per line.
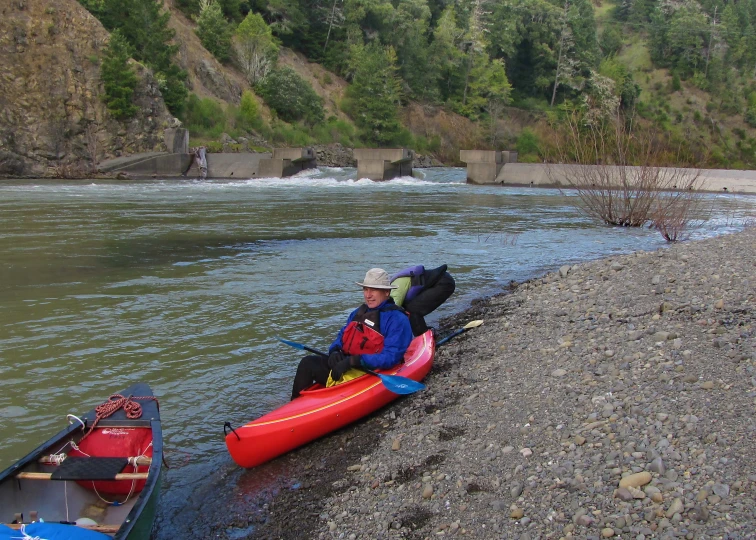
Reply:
x=48 y=476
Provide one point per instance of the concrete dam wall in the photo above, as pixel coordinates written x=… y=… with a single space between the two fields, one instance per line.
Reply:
x=547 y=175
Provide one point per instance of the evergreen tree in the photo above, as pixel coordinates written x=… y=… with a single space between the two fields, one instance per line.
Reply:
x=375 y=92
x=490 y=88
x=213 y=30
x=285 y=17
x=446 y=56
x=410 y=41
x=118 y=78
x=531 y=56
x=687 y=35
x=233 y=10
x=145 y=28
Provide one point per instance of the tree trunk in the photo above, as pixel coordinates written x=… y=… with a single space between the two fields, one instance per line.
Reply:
x=330 y=25
x=559 y=58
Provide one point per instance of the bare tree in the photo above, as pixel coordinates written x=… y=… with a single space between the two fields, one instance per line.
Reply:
x=334 y=19
x=620 y=177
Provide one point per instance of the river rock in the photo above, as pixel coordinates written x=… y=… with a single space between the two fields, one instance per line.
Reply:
x=636 y=480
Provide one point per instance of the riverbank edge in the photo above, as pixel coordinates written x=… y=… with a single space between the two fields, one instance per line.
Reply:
x=343 y=475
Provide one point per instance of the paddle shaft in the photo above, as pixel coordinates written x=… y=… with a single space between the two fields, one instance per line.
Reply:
x=450 y=336
x=310 y=349
x=465 y=328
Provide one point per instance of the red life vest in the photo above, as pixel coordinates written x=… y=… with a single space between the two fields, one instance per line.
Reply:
x=363 y=334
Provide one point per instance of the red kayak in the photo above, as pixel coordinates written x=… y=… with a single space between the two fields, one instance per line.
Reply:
x=319 y=410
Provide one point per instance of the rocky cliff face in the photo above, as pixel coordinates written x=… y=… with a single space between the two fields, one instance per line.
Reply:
x=51 y=114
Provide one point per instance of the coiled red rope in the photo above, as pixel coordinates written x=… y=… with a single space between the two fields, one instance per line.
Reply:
x=115 y=402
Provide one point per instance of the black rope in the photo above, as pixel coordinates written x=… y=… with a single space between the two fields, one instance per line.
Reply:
x=228 y=425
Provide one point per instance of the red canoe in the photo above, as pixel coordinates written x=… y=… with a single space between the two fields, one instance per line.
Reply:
x=320 y=410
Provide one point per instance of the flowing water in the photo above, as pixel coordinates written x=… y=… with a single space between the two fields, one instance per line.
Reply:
x=185 y=284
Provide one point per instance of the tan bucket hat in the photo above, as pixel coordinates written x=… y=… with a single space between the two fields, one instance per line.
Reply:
x=377 y=278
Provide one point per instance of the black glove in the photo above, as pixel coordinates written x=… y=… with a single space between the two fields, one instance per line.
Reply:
x=343 y=366
x=336 y=356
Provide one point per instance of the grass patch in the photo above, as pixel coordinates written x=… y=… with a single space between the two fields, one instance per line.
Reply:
x=635 y=56
x=602 y=13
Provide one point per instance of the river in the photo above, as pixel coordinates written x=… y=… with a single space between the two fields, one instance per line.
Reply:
x=185 y=284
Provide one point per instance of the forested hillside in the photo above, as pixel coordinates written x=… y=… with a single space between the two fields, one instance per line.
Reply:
x=684 y=70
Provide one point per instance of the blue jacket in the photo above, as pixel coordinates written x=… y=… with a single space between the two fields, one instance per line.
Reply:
x=397 y=335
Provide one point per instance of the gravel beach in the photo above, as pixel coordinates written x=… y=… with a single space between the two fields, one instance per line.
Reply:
x=611 y=399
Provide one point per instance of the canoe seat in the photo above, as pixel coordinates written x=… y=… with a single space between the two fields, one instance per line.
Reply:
x=89 y=468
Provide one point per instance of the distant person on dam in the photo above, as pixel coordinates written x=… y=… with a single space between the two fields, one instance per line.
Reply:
x=375 y=336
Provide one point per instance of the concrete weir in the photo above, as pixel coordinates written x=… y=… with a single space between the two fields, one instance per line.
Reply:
x=282 y=162
x=484 y=166
x=383 y=163
x=545 y=175
x=501 y=167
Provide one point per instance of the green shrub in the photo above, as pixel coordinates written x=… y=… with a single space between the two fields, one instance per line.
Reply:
x=291 y=97
x=425 y=145
x=528 y=158
x=404 y=139
x=751 y=99
x=214 y=31
x=527 y=143
x=717 y=158
x=204 y=117
x=249 y=112
x=697 y=116
x=676 y=86
x=290 y=135
x=750 y=117
x=610 y=41
x=215 y=147
x=699 y=81
x=334 y=130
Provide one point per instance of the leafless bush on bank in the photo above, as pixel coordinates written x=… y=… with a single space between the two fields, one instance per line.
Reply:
x=674 y=213
x=623 y=177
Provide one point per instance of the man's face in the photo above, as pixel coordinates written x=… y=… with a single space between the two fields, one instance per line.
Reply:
x=374 y=297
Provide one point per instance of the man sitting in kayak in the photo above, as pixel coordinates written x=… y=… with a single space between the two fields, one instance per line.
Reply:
x=376 y=336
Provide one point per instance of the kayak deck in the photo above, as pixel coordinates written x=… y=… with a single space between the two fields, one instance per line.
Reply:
x=319 y=410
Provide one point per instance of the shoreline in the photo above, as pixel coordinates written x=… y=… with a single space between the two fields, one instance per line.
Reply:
x=637 y=364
